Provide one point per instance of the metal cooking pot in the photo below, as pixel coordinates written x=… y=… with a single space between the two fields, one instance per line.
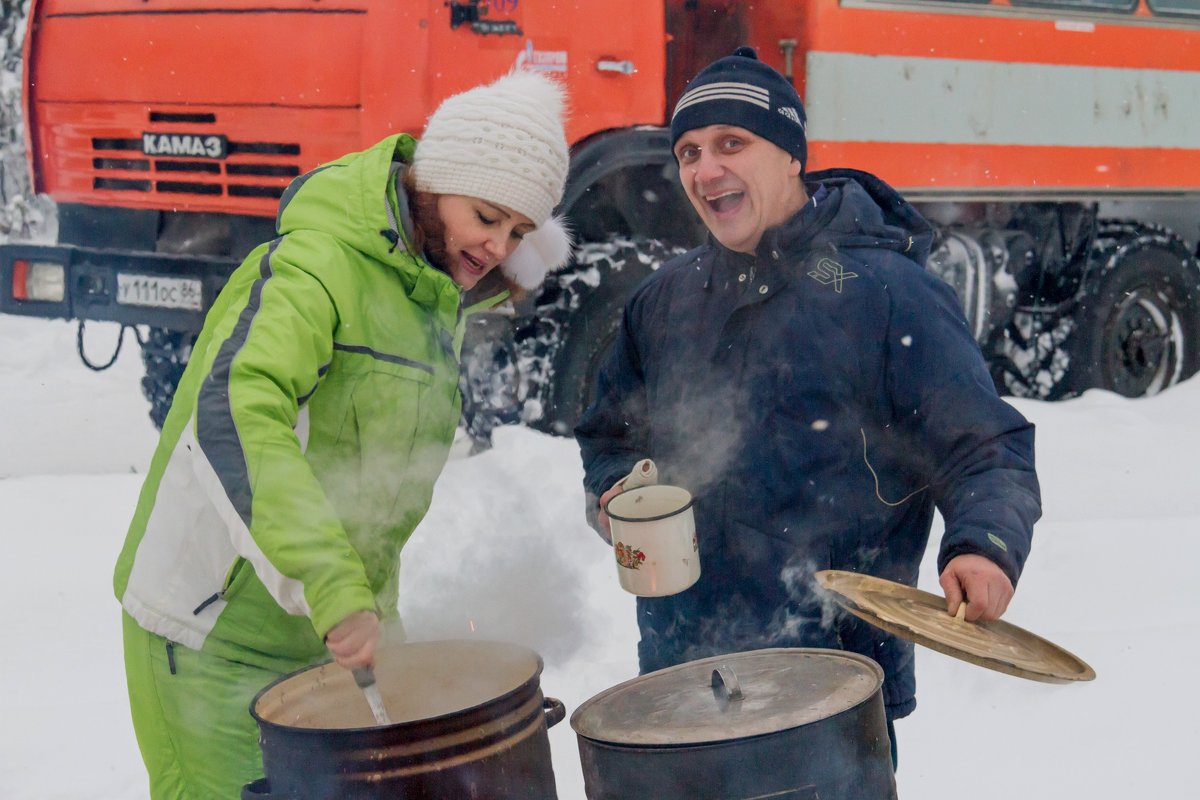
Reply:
x=788 y=724
x=469 y=721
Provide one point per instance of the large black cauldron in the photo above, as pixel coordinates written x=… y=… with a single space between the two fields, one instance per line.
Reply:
x=784 y=724
x=469 y=718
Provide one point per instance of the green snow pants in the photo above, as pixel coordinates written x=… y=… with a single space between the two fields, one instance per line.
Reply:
x=191 y=715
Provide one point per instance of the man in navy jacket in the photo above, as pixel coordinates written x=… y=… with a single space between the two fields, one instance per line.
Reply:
x=815 y=388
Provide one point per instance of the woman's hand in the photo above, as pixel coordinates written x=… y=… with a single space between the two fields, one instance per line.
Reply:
x=352 y=641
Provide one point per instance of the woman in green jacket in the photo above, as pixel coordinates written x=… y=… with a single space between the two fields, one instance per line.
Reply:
x=316 y=412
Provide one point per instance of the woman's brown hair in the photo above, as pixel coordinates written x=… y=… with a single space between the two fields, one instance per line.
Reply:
x=427 y=225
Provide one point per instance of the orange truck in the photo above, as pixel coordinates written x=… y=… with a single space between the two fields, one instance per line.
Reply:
x=1054 y=144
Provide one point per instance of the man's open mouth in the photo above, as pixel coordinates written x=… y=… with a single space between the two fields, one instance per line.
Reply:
x=721 y=202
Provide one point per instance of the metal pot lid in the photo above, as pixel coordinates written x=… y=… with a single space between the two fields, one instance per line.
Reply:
x=729 y=697
x=921 y=617
x=418 y=682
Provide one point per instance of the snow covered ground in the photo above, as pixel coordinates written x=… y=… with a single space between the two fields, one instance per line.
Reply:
x=1113 y=578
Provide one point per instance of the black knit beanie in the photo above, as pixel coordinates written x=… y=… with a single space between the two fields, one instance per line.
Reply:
x=743 y=91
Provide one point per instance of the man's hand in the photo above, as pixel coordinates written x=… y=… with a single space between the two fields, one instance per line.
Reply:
x=601 y=517
x=352 y=641
x=979 y=581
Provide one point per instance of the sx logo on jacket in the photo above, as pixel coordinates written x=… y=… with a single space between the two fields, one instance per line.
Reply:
x=829 y=271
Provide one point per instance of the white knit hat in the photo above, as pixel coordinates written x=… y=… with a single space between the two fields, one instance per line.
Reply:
x=504 y=142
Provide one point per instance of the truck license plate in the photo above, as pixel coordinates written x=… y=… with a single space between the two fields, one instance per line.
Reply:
x=153 y=290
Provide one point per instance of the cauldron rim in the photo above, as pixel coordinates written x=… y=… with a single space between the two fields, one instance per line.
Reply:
x=490 y=706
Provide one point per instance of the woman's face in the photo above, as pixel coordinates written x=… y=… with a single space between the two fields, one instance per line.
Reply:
x=478 y=236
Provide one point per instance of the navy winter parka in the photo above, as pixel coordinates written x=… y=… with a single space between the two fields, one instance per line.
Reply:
x=819 y=397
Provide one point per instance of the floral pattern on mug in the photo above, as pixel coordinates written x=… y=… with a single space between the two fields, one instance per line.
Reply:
x=628 y=557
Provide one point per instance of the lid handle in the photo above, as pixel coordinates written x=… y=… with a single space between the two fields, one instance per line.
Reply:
x=724 y=678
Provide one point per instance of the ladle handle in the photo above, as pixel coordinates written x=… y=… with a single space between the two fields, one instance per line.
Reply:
x=364 y=676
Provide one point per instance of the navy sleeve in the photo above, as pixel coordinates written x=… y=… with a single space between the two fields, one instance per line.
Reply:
x=612 y=434
x=980 y=448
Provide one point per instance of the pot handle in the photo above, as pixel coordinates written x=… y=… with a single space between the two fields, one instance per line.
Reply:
x=555 y=711
x=261 y=790
x=723 y=677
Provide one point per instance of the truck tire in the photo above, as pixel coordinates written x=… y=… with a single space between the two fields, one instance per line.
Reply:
x=489 y=379
x=585 y=319
x=1028 y=358
x=165 y=354
x=1137 y=321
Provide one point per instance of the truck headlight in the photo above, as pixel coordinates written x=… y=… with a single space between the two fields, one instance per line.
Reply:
x=39 y=280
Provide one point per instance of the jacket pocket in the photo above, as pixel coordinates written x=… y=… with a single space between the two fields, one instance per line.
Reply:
x=365 y=421
x=235 y=578
x=403 y=424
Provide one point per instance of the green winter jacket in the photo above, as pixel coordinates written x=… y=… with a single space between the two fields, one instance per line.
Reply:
x=315 y=414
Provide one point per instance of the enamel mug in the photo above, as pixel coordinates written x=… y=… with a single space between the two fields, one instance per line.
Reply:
x=654 y=540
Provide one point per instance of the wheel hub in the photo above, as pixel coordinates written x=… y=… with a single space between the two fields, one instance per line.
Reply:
x=1140 y=348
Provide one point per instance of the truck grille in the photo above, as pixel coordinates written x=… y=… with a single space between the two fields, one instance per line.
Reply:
x=120 y=165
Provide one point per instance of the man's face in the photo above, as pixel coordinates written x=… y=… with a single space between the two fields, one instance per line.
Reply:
x=739 y=183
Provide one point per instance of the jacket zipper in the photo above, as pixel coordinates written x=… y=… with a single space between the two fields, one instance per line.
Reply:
x=229 y=578
x=208 y=601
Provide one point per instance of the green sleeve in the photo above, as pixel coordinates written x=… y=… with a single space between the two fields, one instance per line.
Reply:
x=247 y=409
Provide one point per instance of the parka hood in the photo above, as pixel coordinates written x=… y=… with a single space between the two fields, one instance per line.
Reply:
x=352 y=198
x=867 y=212
x=853 y=209
x=356 y=201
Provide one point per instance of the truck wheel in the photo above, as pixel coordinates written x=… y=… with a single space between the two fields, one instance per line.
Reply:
x=1028 y=356
x=165 y=354
x=1137 y=322
x=489 y=379
x=584 y=319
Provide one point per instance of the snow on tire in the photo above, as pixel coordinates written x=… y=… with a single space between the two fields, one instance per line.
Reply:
x=577 y=320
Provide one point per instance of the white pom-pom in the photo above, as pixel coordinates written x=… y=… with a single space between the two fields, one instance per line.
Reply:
x=543 y=250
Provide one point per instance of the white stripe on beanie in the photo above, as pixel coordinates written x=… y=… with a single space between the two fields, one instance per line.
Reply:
x=741 y=91
x=725 y=90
